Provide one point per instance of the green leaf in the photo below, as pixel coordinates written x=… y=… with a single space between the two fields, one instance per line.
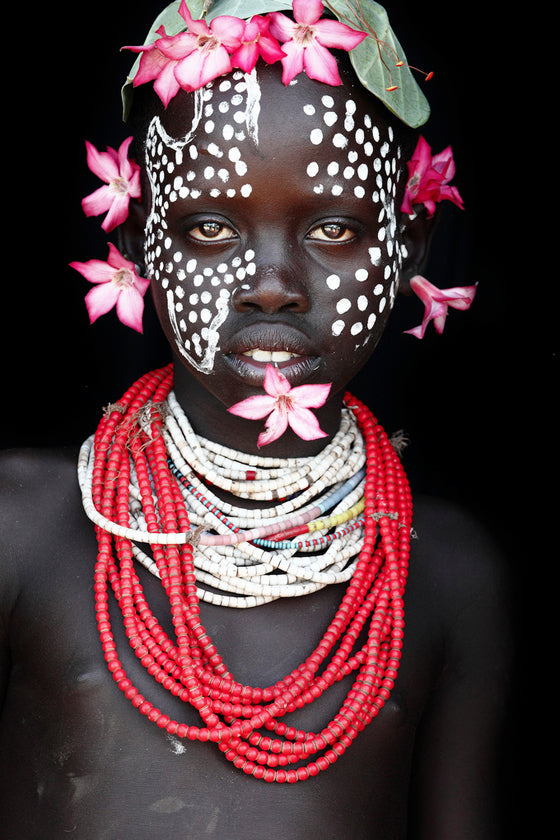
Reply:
x=246 y=8
x=375 y=62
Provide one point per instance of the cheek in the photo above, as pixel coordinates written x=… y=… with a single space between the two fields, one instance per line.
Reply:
x=361 y=305
x=362 y=161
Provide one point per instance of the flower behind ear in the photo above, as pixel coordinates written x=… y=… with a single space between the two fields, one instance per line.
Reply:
x=116 y=284
x=122 y=182
x=428 y=179
x=436 y=302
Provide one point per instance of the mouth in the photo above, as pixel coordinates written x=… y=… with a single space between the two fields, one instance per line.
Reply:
x=248 y=360
x=270 y=357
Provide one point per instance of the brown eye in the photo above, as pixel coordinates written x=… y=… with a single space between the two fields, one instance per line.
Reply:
x=331 y=232
x=213 y=230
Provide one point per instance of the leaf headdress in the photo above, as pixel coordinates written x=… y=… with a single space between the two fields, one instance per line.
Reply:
x=378 y=61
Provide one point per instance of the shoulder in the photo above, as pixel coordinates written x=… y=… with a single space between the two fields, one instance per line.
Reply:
x=33 y=478
x=456 y=546
x=462 y=574
x=39 y=500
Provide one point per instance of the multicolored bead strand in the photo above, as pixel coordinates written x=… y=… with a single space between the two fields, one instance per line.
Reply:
x=246 y=722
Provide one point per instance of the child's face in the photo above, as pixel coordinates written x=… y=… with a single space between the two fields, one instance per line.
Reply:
x=273 y=231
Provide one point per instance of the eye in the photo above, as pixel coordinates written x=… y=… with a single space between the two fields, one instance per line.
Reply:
x=332 y=232
x=211 y=231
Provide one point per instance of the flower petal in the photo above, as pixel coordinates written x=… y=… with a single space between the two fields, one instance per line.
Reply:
x=151 y=65
x=117 y=260
x=130 y=308
x=305 y=424
x=245 y=57
x=216 y=63
x=98 y=201
x=275 y=383
x=292 y=64
x=269 y=49
x=320 y=64
x=100 y=300
x=281 y=27
x=176 y=47
x=123 y=162
x=275 y=426
x=118 y=212
x=95 y=271
x=195 y=25
x=310 y=396
x=307 y=11
x=337 y=35
x=166 y=85
x=102 y=164
x=254 y=408
x=228 y=30
x=198 y=68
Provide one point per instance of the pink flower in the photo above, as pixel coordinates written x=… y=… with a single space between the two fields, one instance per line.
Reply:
x=158 y=63
x=428 y=179
x=116 y=284
x=286 y=406
x=122 y=182
x=256 y=41
x=211 y=49
x=306 y=39
x=190 y=59
x=436 y=302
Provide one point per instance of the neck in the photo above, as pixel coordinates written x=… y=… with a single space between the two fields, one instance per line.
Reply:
x=210 y=419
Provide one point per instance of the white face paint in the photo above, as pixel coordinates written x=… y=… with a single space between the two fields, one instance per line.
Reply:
x=196 y=316
x=365 y=162
x=348 y=156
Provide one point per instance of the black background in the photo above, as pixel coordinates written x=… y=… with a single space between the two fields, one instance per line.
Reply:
x=474 y=402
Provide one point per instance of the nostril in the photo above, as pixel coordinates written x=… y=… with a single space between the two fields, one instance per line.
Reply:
x=271 y=290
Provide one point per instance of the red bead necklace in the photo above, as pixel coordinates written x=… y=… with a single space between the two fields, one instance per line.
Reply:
x=235 y=716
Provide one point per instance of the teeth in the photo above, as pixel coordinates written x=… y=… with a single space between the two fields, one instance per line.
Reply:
x=270 y=355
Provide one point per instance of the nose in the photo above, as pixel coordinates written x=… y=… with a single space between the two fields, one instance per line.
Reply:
x=271 y=290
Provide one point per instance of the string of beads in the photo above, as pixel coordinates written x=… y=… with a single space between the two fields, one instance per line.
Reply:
x=247 y=723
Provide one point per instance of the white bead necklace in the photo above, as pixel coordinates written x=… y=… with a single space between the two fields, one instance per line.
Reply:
x=232 y=554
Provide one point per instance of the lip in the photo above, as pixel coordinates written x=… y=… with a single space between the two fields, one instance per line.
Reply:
x=278 y=339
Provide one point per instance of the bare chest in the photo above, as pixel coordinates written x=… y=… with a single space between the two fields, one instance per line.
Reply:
x=77 y=753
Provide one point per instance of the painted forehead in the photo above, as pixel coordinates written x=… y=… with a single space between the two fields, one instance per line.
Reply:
x=343 y=149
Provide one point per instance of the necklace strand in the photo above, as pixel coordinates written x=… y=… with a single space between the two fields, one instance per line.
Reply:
x=247 y=723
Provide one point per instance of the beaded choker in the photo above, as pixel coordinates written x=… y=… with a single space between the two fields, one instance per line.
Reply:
x=144 y=477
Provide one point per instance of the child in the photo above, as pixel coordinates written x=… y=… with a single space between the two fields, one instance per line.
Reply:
x=268 y=221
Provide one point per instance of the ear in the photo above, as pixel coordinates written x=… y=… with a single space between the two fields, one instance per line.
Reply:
x=416 y=236
x=131 y=235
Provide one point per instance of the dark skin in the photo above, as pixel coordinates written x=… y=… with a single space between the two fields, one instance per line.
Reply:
x=77 y=759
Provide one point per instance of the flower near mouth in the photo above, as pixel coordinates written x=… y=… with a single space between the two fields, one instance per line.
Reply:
x=305 y=41
x=436 y=302
x=286 y=406
x=116 y=284
x=122 y=182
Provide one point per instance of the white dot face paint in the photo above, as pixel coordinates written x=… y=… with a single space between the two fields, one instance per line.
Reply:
x=349 y=167
x=363 y=156
x=197 y=330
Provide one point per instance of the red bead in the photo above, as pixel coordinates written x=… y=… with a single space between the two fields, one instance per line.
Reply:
x=191 y=668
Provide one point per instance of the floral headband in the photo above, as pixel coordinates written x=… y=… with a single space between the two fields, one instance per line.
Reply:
x=185 y=53
x=193 y=42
